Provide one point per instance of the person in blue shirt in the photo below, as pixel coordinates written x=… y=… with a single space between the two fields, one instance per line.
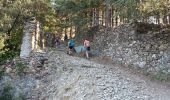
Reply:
x=71 y=45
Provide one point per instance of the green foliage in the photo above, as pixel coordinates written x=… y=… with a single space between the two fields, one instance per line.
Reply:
x=127 y=9
x=13 y=12
x=13 y=42
x=11 y=47
x=12 y=16
x=20 y=66
x=75 y=13
x=7 y=92
x=7 y=56
x=154 y=8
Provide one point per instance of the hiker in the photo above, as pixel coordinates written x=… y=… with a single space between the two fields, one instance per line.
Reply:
x=71 y=46
x=57 y=41
x=87 y=47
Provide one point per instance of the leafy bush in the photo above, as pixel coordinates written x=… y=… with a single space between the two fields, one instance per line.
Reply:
x=11 y=46
x=8 y=55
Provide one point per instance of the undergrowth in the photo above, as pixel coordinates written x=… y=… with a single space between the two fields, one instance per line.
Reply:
x=6 y=92
x=20 y=66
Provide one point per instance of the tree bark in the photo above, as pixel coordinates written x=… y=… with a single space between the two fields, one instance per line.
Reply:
x=103 y=18
x=108 y=16
x=97 y=17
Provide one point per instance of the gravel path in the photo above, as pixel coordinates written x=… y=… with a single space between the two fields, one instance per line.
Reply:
x=73 y=78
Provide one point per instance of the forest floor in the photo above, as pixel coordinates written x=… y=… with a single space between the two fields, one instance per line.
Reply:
x=74 y=78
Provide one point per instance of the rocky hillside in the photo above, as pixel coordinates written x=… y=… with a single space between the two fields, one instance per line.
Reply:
x=65 y=77
x=148 y=51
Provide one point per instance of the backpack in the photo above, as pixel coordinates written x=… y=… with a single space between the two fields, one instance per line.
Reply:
x=71 y=43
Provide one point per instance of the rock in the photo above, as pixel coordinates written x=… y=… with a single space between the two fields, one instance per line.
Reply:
x=37 y=59
x=64 y=77
x=8 y=70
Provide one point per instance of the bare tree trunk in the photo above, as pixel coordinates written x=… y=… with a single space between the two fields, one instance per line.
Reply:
x=112 y=11
x=91 y=18
x=41 y=40
x=114 y=18
x=116 y=23
x=108 y=16
x=103 y=18
x=94 y=17
x=37 y=36
x=97 y=17
x=169 y=19
x=165 y=20
x=158 y=18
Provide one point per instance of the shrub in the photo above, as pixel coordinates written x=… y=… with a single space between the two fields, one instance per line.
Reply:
x=11 y=47
x=7 y=56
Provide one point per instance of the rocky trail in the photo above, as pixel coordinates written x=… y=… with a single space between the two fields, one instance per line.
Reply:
x=72 y=78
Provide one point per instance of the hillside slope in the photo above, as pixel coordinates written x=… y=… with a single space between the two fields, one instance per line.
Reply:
x=73 y=78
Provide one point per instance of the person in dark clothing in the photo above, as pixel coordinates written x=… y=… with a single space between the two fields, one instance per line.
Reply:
x=71 y=46
x=57 y=41
x=87 y=46
x=65 y=37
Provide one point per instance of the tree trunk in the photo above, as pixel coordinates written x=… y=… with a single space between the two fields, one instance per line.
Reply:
x=91 y=18
x=94 y=17
x=108 y=17
x=103 y=18
x=97 y=17
x=112 y=19
x=116 y=20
